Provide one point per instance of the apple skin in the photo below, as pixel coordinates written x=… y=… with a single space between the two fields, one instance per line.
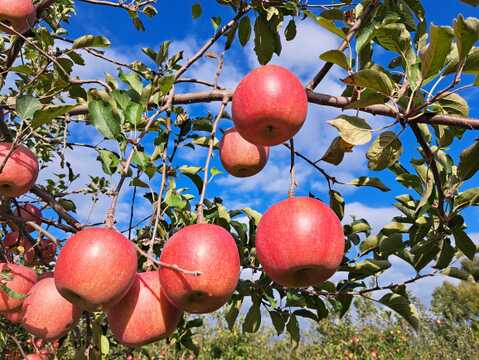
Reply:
x=47 y=314
x=29 y=212
x=20 y=171
x=15 y=317
x=269 y=105
x=209 y=249
x=144 y=315
x=35 y=357
x=23 y=278
x=96 y=268
x=20 y=13
x=300 y=242
x=241 y=158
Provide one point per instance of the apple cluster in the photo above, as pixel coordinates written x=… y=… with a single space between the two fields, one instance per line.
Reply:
x=299 y=241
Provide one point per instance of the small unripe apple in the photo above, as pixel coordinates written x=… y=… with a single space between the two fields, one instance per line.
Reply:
x=269 y=105
x=21 y=280
x=206 y=248
x=20 y=171
x=300 y=242
x=46 y=314
x=240 y=157
x=20 y=14
x=144 y=315
x=29 y=212
x=15 y=317
x=96 y=268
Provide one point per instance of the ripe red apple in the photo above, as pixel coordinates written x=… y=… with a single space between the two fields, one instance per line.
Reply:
x=35 y=357
x=300 y=242
x=269 y=105
x=209 y=249
x=20 y=171
x=96 y=268
x=20 y=14
x=29 y=212
x=46 y=314
x=21 y=281
x=15 y=317
x=144 y=315
x=240 y=157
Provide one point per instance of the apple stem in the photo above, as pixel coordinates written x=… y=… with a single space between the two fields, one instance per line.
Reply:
x=293 y=184
x=199 y=209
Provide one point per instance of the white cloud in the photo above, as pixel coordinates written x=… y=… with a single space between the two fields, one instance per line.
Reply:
x=376 y=216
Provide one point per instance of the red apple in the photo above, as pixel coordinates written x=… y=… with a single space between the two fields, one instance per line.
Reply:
x=300 y=242
x=96 y=268
x=15 y=317
x=35 y=357
x=21 y=281
x=240 y=157
x=29 y=212
x=20 y=14
x=269 y=105
x=20 y=171
x=206 y=248
x=144 y=315
x=46 y=314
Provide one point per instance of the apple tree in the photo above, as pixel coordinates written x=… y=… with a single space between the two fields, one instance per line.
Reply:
x=168 y=247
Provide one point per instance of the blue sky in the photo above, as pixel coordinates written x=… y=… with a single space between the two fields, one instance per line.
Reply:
x=302 y=57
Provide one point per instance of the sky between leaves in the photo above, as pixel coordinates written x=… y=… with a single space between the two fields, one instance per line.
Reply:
x=301 y=55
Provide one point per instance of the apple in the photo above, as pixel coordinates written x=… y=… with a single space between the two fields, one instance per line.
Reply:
x=29 y=212
x=35 y=357
x=206 y=248
x=15 y=317
x=240 y=157
x=20 y=14
x=300 y=242
x=47 y=314
x=144 y=315
x=269 y=105
x=20 y=171
x=21 y=279
x=95 y=268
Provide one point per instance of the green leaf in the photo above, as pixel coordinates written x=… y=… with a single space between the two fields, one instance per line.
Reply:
x=244 y=32
x=293 y=329
x=446 y=255
x=133 y=80
x=290 y=31
x=367 y=181
x=390 y=244
x=464 y=243
x=371 y=79
x=335 y=57
x=336 y=202
x=368 y=267
x=101 y=116
x=11 y=293
x=467 y=33
x=327 y=24
x=47 y=114
x=175 y=200
x=196 y=10
x=264 y=40
x=457 y=273
x=252 y=215
x=417 y=7
x=403 y=307
x=91 y=41
x=26 y=106
x=336 y=150
x=366 y=98
x=453 y=103
x=433 y=59
x=233 y=312
x=468 y=164
x=471 y=66
x=104 y=347
x=384 y=151
x=252 y=321
x=470 y=197
x=140 y=159
x=278 y=321
x=109 y=160
x=352 y=129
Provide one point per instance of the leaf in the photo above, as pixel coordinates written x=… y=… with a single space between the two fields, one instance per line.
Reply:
x=468 y=164
x=366 y=98
x=26 y=106
x=133 y=80
x=244 y=32
x=336 y=150
x=327 y=24
x=470 y=197
x=453 y=103
x=175 y=200
x=446 y=255
x=252 y=215
x=290 y=31
x=368 y=267
x=335 y=57
x=11 y=293
x=104 y=347
x=252 y=321
x=101 y=116
x=45 y=115
x=233 y=312
x=467 y=33
x=278 y=321
x=336 y=202
x=196 y=10
x=403 y=307
x=367 y=181
x=293 y=329
x=464 y=243
x=109 y=160
x=471 y=66
x=384 y=151
x=352 y=129
x=417 y=7
x=371 y=79
x=264 y=40
x=433 y=59
x=91 y=41
x=457 y=273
